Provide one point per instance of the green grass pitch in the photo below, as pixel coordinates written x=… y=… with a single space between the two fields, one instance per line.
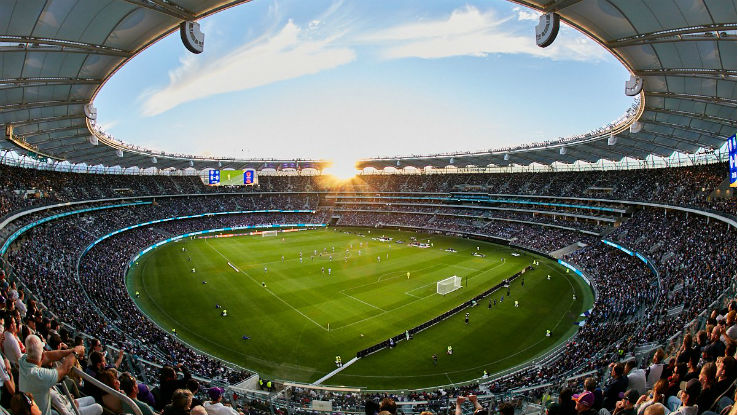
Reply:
x=303 y=318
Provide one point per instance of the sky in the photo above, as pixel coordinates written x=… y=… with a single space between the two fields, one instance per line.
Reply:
x=348 y=79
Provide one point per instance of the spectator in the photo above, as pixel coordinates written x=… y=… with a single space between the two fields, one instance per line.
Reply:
x=23 y=404
x=129 y=386
x=181 y=401
x=584 y=402
x=688 y=396
x=617 y=385
x=215 y=407
x=38 y=380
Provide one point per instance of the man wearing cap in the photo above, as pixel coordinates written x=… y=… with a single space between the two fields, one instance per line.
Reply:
x=688 y=395
x=625 y=406
x=584 y=402
x=214 y=405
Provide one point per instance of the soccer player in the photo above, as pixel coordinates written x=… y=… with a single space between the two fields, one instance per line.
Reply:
x=574 y=297
x=522 y=282
x=466 y=319
x=408 y=275
x=301 y=260
x=322 y=270
x=502 y=298
x=435 y=359
x=516 y=304
x=265 y=269
x=282 y=258
x=548 y=277
x=490 y=304
x=548 y=333
x=449 y=350
x=193 y=270
x=329 y=272
x=379 y=259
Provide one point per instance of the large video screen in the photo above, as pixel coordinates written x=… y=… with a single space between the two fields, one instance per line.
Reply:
x=246 y=177
x=732 y=155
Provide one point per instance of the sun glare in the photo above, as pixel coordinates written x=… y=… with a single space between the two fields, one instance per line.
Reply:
x=342 y=169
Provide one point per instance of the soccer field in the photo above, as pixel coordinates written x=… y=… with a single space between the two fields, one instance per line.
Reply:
x=303 y=317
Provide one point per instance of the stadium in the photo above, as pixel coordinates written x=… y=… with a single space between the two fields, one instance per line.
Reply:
x=592 y=273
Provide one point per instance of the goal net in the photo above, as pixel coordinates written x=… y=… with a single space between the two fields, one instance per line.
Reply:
x=269 y=233
x=448 y=285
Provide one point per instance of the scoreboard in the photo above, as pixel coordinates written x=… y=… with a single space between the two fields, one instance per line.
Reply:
x=732 y=152
x=246 y=177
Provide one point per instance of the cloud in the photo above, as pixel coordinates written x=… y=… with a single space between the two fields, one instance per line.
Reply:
x=526 y=13
x=273 y=57
x=468 y=31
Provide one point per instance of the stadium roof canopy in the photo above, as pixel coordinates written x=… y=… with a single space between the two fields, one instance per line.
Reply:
x=56 y=55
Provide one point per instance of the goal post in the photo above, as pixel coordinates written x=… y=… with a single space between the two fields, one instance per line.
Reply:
x=269 y=233
x=448 y=285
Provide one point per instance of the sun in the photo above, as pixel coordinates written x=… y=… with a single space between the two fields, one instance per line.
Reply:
x=341 y=169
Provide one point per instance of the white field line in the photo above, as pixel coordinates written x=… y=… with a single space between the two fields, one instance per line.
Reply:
x=268 y=290
x=362 y=301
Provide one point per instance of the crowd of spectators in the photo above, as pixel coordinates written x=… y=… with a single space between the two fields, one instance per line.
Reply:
x=694 y=186
x=692 y=263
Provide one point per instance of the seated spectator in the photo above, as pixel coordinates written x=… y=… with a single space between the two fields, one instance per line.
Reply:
x=12 y=346
x=636 y=377
x=168 y=383
x=653 y=373
x=181 y=402
x=194 y=386
x=7 y=384
x=707 y=380
x=726 y=377
x=23 y=404
x=214 y=405
x=389 y=405
x=617 y=385
x=33 y=377
x=129 y=386
x=110 y=401
x=590 y=384
x=626 y=405
x=716 y=348
x=584 y=402
x=688 y=397
x=657 y=396
x=86 y=405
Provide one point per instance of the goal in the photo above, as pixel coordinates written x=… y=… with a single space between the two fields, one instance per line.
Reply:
x=448 y=285
x=269 y=233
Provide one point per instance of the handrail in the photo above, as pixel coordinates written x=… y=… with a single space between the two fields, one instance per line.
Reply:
x=108 y=389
